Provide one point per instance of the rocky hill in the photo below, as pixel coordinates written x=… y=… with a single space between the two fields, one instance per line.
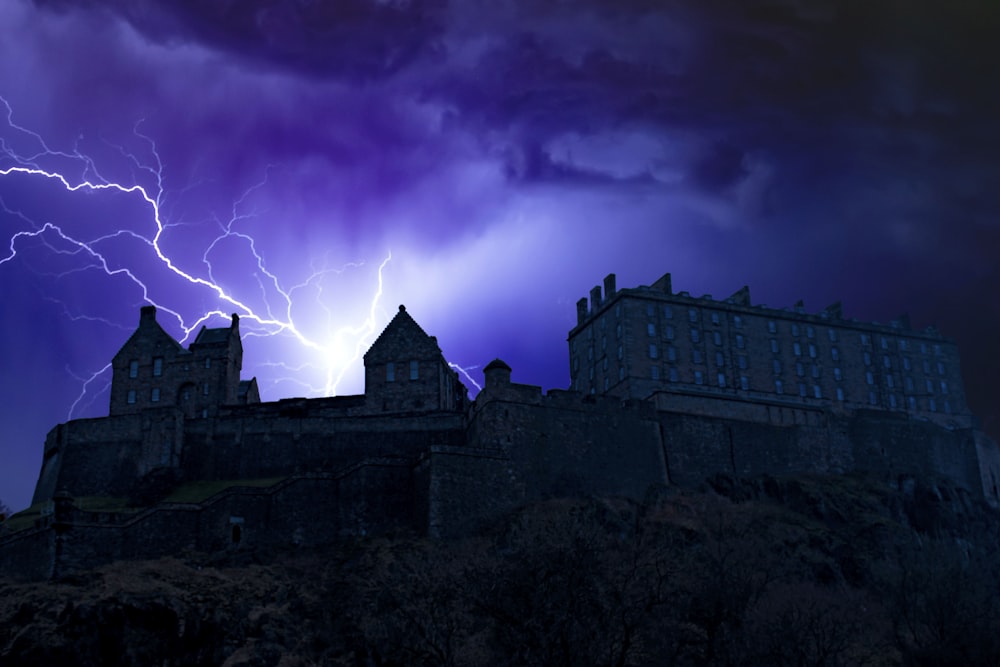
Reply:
x=764 y=571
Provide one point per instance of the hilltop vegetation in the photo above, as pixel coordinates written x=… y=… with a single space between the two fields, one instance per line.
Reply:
x=797 y=571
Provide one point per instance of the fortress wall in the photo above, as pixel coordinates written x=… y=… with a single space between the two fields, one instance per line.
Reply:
x=988 y=453
x=249 y=448
x=583 y=448
x=893 y=445
x=104 y=457
x=465 y=487
x=27 y=554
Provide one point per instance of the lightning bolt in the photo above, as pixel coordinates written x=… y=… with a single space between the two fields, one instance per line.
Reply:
x=334 y=350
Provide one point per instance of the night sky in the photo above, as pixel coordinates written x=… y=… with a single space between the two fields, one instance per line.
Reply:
x=314 y=164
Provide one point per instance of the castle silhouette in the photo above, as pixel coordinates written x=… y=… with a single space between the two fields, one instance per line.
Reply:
x=666 y=389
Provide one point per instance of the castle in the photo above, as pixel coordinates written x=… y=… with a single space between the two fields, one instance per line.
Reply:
x=666 y=389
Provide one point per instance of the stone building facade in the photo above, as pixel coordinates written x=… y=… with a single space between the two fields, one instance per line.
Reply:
x=651 y=403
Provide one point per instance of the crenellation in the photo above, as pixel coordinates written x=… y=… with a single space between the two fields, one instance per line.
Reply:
x=665 y=389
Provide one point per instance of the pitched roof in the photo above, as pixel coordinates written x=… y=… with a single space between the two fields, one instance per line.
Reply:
x=206 y=336
x=403 y=338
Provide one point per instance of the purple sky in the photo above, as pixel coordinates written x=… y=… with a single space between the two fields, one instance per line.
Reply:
x=507 y=155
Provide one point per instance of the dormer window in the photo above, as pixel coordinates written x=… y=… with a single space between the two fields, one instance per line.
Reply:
x=157 y=366
x=133 y=369
x=390 y=372
x=414 y=370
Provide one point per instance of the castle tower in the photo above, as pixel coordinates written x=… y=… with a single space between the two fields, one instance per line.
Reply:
x=152 y=370
x=405 y=371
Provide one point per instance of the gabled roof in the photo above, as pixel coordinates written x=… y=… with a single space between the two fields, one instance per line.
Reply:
x=206 y=336
x=150 y=330
x=402 y=339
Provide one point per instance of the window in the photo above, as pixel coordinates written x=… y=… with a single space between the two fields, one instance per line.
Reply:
x=799 y=370
x=778 y=387
x=604 y=343
x=836 y=374
x=904 y=345
x=802 y=389
x=908 y=383
x=797 y=349
x=868 y=359
x=696 y=357
x=930 y=387
x=906 y=363
x=835 y=354
x=604 y=364
x=937 y=350
x=940 y=368
x=651 y=329
x=947 y=408
x=737 y=321
x=699 y=377
x=740 y=341
x=670 y=332
x=131 y=396
x=653 y=352
x=671 y=353
x=154 y=395
x=872 y=398
x=912 y=402
x=944 y=387
x=889 y=382
x=621 y=352
x=695 y=336
x=715 y=318
x=133 y=369
x=932 y=405
x=817 y=392
x=927 y=367
x=776 y=365
x=815 y=371
x=606 y=382
x=719 y=361
x=840 y=394
x=812 y=350
x=590 y=354
x=204 y=413
x=772 y=326
x=866 y=339
x=774 y=346
x=744 y=383
x=742 y=361
x=717 y=338
x=668 y=312
x=693 y=314
x=618 y=331
x=591 y=373
x=208 y=363
x=621 y=372
x=887 y=362
x=832 y=335
x=618 y=310
x=884 y=343
x=810 y=332
x=654 y=372
x=390 y=372
x=649 y=310
x=923 y=348
x=414 y=370
x=722 y=379
x=795 y=329
x=869 y=378
x=673 y=375
x=892 y=400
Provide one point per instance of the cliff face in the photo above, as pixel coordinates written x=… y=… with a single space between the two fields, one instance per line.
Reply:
x=760 y=571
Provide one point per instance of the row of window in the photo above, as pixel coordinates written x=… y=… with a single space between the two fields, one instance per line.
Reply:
x=390 y=371
x=154 y=394
x=133 y=367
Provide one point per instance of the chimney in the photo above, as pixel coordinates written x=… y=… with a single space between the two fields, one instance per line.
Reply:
x=581 y=311
x=147 y=315
x=609 y=286
x=595 y=298
x=741 y=297
x=236 y=322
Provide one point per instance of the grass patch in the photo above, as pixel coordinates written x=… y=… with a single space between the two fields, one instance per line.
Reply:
x=196 y=492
